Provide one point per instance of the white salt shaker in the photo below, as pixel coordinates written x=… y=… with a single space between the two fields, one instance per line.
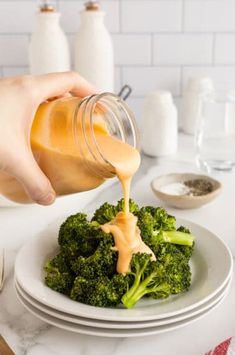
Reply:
x=48 y=49
x=160 y=124
x=196 y=88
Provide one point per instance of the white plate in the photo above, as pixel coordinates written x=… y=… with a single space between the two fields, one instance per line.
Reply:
x=211 y=266
x=4 y=202
x=124 y=333
x=122 y=325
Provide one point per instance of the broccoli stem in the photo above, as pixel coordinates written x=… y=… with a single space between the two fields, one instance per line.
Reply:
x=137 y=290
x=177 y=237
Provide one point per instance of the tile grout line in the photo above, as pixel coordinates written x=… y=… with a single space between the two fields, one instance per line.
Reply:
x=213 y=49
x=182 y=16
x=146 y=66
x=58 y=5
x=121 y=76
x=152 y=49
x=167 y=66
x=142 y=33
x=181 y=80
x=120 y=16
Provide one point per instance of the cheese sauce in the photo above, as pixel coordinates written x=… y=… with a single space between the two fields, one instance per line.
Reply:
x=124 y=227
x=74 y=166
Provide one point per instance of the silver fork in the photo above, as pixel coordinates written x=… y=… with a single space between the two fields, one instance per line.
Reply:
x=2 y=262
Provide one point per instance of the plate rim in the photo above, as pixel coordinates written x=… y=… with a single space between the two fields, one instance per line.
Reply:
x=102 y=332
x=126 y=325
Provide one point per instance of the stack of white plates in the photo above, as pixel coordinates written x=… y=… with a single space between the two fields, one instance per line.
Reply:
x=211 y=267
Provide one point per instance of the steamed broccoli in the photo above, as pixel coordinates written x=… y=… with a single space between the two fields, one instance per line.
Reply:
x=85 y=268
x=158 y=279
x=158 y=216
x=79 y=237
x=149 y=278
x=158 y=227
x=106 y=212
x=133 y=207
x=59 y=276
x=100 y=292
x=176 y=267
x=71 y=227
x=101 y=263
x=186 y=250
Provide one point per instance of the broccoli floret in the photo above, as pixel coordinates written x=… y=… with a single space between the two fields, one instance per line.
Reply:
x=176 y=267
x=185 y=249
x=107 y=212
x=100 y=292
x=78 y=236
x=59 y=276
x=170 y=274
x=70 y=228
x=158 y=227
x=149 y=279
x=161 y=219
x=146 y=223
x=183 y=229
x=101 y=263
x=133 y=207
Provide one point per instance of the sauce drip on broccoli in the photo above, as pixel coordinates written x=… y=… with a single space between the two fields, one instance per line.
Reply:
x=127 y=239
x=85 y=267
x=126 y=160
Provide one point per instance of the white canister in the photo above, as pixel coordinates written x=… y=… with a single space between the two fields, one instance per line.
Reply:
x=48 y=49
x=160 y=124
x=195 y=90
x=94 y=49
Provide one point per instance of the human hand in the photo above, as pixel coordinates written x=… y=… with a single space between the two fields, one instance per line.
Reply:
x=19 y=100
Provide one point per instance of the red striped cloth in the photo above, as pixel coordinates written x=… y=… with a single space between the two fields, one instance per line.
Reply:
x=227 y=347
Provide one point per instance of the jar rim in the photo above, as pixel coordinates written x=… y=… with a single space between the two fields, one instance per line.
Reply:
x=120 y=123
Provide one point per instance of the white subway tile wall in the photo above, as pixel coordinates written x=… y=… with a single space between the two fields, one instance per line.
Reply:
x=158 y=44
x=146 y=79
x=183 y=49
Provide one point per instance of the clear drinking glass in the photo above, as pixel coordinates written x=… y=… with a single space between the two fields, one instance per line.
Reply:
x=215 y=133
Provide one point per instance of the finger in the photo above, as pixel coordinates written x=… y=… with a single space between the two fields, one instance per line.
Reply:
x=67 y=94
x=56 y=84
x=35 y=183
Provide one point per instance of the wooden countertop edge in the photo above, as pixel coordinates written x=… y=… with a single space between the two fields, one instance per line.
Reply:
x=4 y=347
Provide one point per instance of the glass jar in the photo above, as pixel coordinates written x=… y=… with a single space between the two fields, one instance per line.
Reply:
x=67 y=140
x=215 y=133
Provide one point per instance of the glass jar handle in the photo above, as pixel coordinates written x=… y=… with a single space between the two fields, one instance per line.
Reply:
x=125 y=92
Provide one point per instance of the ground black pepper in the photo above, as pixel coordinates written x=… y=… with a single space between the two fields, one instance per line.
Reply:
x=198 y=187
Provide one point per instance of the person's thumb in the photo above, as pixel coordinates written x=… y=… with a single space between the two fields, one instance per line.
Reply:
x=34 y=181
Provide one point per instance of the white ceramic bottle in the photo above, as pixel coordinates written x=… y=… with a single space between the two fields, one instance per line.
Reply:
x=196 y=88
x=94 y=49
x=48 y=50
x=160 y=124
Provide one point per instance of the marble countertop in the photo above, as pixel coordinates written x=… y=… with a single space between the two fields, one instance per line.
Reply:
x=29 y=336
